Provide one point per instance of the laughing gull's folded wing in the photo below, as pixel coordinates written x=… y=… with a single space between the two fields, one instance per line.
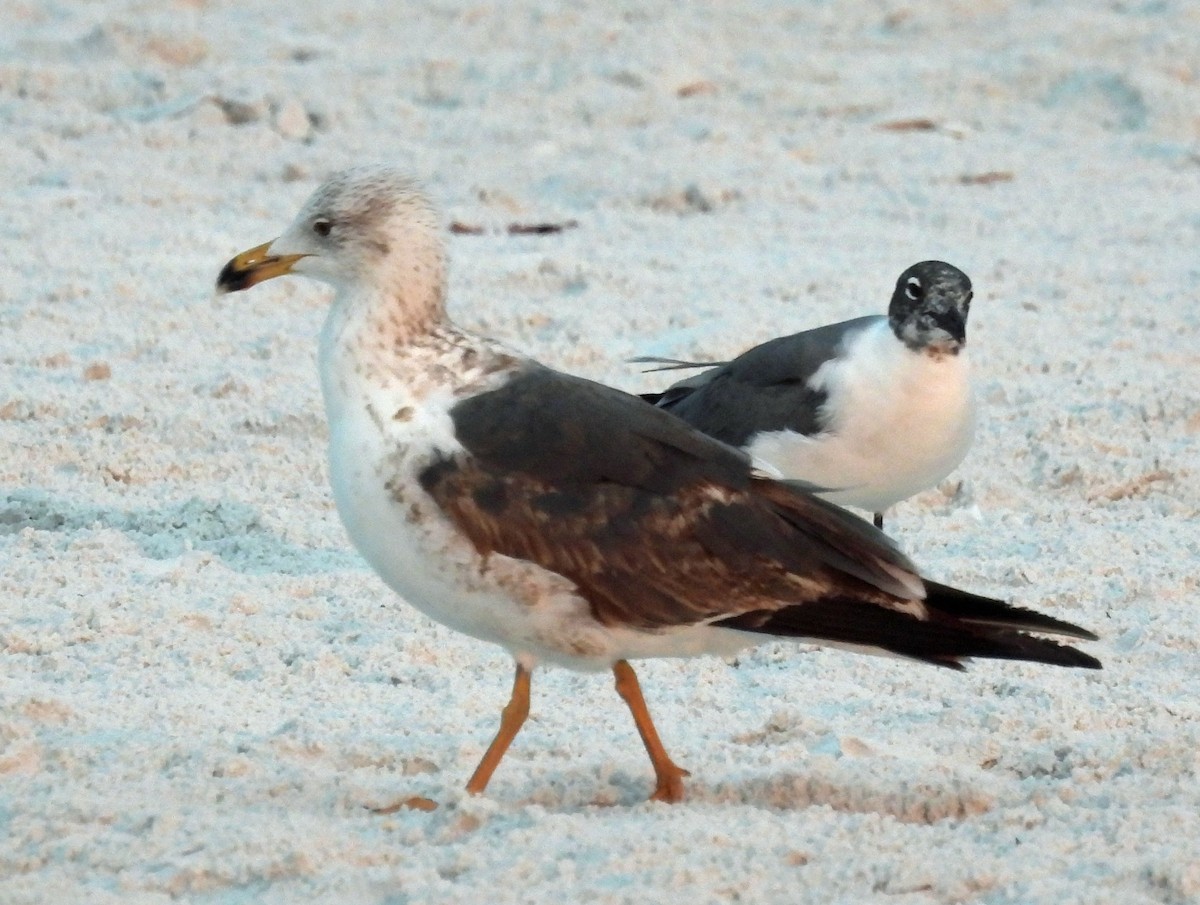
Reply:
x=771 y=387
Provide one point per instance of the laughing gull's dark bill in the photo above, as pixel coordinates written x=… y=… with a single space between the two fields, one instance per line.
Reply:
x=875 y=409
x=565 y=520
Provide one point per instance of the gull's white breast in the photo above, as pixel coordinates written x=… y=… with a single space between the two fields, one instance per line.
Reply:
x=901 y=422
x=384 y=431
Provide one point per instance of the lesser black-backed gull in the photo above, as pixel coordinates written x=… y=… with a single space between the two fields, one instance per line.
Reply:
x=567 y=521
x=875 y=409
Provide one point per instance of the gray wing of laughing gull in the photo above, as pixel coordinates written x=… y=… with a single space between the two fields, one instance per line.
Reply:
x=876 y=408
x=770 y=387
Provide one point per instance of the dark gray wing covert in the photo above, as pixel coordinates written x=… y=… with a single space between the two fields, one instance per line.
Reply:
x=767 y=388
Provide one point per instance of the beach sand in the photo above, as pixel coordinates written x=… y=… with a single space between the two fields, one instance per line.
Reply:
x=203 y=688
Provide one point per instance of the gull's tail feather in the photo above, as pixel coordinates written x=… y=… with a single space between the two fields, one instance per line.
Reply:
x=985 y=611
x=945 y=638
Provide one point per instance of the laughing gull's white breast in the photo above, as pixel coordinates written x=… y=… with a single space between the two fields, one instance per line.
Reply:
x=875 y=409
x=565 y=520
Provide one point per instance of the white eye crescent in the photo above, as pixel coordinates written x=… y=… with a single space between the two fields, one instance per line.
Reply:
x=913 y=289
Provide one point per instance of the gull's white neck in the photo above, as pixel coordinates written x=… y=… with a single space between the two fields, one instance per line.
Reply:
x=376 y=347
x=368 y=335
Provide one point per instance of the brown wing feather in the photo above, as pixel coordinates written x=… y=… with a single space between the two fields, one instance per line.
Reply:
x=660 y=526
x=656 y=561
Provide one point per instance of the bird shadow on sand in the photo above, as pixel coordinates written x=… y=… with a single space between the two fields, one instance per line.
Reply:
x=914 y=802
x=231 y=530
x=922 y=802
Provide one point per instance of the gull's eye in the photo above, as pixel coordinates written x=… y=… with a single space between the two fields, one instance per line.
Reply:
x=913 y=289
x=322 y=227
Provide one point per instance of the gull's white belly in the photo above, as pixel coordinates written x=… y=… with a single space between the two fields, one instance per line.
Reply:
x=400 y=532
x=873 y=472
x=902 y=429
x=416 y=550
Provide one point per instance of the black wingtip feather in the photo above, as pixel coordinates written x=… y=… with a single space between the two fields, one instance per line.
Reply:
x=943 y=639
x=980 y=610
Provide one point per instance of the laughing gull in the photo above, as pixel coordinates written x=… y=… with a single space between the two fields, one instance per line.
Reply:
x=874 y=409
x=567 y=521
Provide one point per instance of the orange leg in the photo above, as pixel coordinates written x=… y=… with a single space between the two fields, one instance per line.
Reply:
x=511 y=720
x=669 y=777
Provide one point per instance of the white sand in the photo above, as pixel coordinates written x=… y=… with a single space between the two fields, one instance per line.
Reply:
x=201 y=685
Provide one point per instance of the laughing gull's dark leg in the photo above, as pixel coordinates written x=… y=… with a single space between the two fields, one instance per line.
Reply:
x=879 y=520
